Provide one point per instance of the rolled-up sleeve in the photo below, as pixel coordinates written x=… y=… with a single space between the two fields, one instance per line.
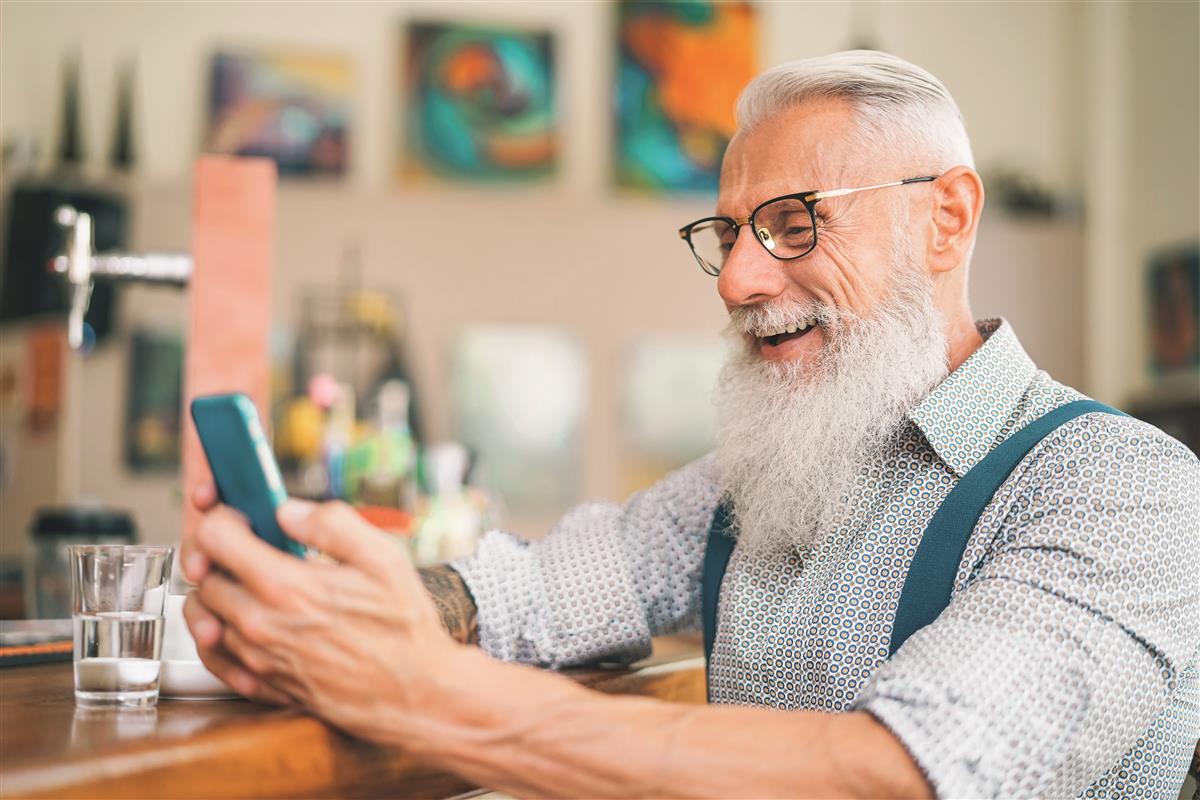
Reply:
x=1078 y=633
x=602 y=582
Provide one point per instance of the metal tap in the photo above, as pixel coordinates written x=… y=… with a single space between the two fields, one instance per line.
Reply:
x=81 y=266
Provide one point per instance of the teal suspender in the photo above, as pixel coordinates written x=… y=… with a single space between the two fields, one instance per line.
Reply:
x=716 y=558
x=930 y=579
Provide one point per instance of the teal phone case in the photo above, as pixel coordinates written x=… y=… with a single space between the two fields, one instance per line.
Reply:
x=242 y=464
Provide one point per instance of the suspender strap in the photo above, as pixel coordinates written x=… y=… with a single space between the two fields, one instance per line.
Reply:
x=716 y=559
x=930 y=580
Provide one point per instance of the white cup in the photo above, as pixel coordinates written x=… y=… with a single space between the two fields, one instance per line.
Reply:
x=178 y=644
x=184 y=677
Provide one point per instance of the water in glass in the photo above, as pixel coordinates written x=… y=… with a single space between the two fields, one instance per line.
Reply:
x=117 y=658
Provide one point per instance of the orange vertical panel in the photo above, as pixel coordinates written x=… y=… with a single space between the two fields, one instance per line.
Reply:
x=229 y=297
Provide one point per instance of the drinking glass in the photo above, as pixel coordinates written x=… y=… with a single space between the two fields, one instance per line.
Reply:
x=117 y=594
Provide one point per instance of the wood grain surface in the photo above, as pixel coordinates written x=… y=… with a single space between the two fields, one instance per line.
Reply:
x=236 y=749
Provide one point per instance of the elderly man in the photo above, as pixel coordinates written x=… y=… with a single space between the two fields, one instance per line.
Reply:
x=952 y=575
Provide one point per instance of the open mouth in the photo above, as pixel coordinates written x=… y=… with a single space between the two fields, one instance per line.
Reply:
x=795 y=332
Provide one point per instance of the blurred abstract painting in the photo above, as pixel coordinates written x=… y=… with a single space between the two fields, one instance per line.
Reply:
x=292 y=108
x=680 y=66
x=1174 y=290
x=480 y=103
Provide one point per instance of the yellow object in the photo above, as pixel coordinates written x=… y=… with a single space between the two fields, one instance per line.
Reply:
x=301 y=430
x=372 y=309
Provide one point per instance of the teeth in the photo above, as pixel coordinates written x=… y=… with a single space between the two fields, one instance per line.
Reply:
x=798 y=327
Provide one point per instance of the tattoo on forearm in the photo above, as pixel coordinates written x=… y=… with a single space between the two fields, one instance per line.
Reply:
x=454 y=602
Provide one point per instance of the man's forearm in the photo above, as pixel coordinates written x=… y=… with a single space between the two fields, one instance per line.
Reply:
x=454 y=602
x=529 y=732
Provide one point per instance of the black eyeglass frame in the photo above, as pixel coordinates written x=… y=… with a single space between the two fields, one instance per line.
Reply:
x=808 y=198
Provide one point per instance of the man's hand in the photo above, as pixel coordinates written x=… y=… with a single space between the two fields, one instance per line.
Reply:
x=344 y=639
x=447 y=588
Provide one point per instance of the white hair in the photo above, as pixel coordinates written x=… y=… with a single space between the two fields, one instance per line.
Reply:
x=797 y=439
x=900 y=107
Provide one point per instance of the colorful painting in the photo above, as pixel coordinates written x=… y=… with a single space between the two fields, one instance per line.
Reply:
x=680 y=67
x=155 y=401
x=480 y=103
x=1174 y=289
x=293 y=108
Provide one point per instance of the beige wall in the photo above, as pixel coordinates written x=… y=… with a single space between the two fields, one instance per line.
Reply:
x=573 y=253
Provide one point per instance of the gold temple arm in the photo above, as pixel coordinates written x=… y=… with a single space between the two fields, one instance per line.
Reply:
x=843 y=192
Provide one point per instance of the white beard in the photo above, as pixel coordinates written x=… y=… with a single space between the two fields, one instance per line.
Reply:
x=794 y=436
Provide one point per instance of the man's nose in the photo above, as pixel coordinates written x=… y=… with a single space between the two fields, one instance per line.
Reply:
x=751 y=275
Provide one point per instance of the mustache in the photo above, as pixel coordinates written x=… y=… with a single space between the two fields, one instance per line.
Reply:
x=763 y=319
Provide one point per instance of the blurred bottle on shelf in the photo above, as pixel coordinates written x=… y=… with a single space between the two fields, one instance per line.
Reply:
x=380 y=469
x=376 y=463
x=454 y=517
x=339 y=436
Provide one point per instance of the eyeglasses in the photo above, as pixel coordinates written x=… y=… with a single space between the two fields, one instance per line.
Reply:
x=785 y=226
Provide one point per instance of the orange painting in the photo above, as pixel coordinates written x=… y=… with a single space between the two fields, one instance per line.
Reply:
x=680 y=69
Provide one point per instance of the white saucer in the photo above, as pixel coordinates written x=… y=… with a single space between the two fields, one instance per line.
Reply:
x=189 y=680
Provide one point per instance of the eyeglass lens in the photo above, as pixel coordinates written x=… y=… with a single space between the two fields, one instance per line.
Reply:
x=711 y=241
x=783 y=227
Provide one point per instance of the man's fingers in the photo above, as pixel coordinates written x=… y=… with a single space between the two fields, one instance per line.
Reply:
x=248 y=628
x=195 y=563
x=235 y=606
x=215 y=657
x=225 y=666
x=213 y=637
x=272 y=674
x=211 y=634
x=226 y=539
x=252 y=656
x=204 y=496
x=205 y=627
x=337 y=531
x=270 y=695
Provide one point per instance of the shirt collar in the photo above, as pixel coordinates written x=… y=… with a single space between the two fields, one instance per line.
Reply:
x=963 y=417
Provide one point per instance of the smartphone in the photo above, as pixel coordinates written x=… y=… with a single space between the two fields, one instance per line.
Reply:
x=242 y=464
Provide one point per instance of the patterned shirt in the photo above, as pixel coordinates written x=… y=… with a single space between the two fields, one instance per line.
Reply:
x=1067 y=663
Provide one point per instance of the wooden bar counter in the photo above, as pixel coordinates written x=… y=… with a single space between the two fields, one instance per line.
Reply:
x=236 y=749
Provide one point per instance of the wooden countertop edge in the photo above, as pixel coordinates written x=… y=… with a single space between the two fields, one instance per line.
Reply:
x=286 y=754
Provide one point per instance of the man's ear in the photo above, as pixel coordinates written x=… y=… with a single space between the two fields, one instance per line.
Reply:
x=956 y=205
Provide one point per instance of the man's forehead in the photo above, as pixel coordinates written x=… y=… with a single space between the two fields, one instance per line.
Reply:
x=807 y=147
